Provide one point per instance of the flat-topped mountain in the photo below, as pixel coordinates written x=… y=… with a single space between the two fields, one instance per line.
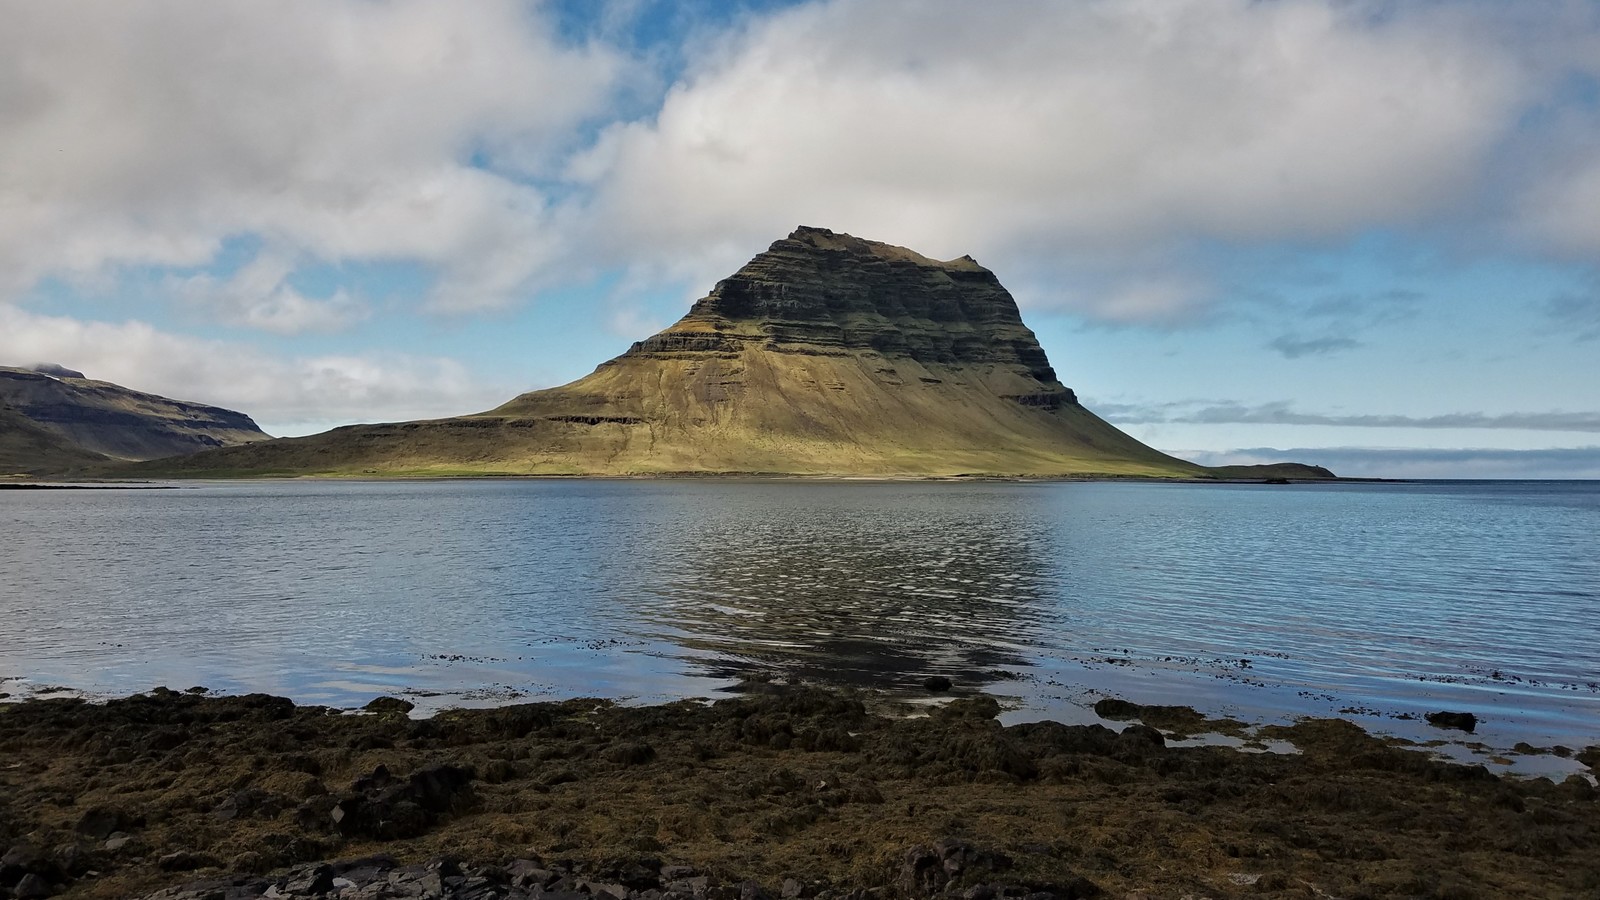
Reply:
x=825 y=355
x=57 y=419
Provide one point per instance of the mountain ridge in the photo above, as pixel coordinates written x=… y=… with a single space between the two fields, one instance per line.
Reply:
x=107 y=421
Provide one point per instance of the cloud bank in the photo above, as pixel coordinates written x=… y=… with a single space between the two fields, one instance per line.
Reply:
x=1098 y=147
x=146 y=134
x=310 y=391
x=1109 y=157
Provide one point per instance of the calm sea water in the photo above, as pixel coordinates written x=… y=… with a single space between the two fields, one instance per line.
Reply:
x=1380 y=601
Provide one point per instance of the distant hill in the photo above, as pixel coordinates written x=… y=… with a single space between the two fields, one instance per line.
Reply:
x=56 y=419
x=825 y=355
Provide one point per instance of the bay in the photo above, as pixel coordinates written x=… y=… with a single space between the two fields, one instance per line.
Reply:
x=1378 y=602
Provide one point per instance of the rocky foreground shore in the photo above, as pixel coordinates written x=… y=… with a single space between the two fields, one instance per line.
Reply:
x=783 y=793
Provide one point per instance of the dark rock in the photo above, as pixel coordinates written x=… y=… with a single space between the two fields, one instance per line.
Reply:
x=31 y=887
x=446 y=866
x=961 y=859
x=1458 y=720
x=72 y=859
x=693 y=886
x=1141 y=736
x=248 y=803
x=22 y=860
x=528 y=873
x=184 y=861
x=1578 y=788
x=390 y=705
x=629 y=753
x=374 y=780
x=1589 y=756
x=317 y=879
x=637 y=873
x=982 y=707
x=383 y=807
x=922 y=873
x=316 y=814
x=378 y=862
x=1116 y=710
x=937 y=684
x=100 y=821
x=604 y=890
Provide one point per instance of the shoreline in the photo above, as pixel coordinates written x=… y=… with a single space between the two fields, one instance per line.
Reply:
x=1504 y=744
x=782 y=784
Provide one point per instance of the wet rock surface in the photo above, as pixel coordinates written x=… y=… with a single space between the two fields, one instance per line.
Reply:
x=782 y=793
x=1460 y=721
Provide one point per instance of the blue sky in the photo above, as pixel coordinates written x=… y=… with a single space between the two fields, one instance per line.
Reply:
x=1358 y=233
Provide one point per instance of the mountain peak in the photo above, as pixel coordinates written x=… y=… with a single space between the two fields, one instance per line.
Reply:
x=827 y=239
x=822 y=293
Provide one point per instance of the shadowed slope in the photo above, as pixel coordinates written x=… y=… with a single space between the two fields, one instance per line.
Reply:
x=110 y=420
x=28 y=448
x=825 y=355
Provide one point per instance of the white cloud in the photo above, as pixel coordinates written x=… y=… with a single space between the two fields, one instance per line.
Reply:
x=259 y=295
x=147 y=133
x=307 y=391
x=1078 y=133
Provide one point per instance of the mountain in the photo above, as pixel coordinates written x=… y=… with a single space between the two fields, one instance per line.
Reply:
x=28 y=448
x=58 y=419
x=825 y=355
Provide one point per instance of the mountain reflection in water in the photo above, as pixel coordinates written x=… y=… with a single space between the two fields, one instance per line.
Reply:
x=847 y=590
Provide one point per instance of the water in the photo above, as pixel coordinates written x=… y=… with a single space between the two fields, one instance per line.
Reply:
x=1377 y=602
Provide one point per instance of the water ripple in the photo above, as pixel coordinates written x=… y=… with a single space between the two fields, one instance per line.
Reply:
x=1393 y=598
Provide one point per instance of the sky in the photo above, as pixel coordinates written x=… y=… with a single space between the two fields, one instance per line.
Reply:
x=1359 y=234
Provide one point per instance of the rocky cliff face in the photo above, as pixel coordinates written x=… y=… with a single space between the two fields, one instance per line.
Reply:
x=101 y=418
x=825 y=355
x=822 y=293
x=818 y=293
